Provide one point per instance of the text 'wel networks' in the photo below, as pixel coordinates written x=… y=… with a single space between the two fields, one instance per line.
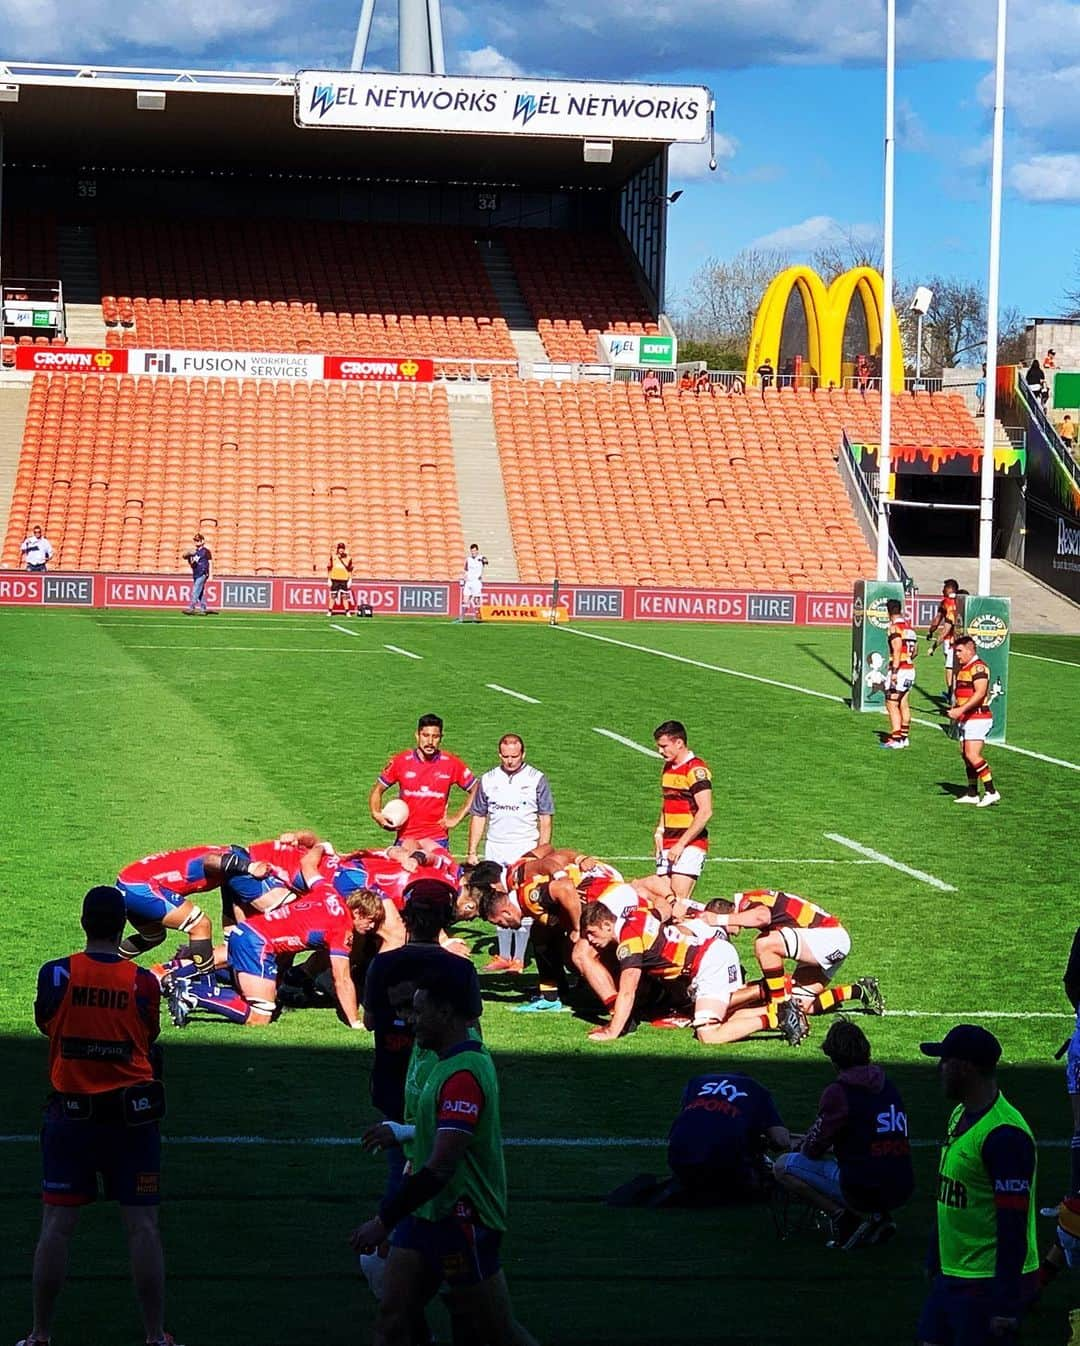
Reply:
x=325 y=97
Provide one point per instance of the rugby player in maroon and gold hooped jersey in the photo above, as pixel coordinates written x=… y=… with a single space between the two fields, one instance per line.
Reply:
x=682 y=835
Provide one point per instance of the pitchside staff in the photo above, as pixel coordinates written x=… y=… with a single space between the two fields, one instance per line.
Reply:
x=100 y=1013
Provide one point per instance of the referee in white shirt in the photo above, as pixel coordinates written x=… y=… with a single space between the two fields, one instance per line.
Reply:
x=472 y=582
x=36 y=550
x=514 y=800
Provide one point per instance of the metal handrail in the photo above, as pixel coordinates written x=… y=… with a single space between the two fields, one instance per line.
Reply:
x=1054 y=441
x=855 y=473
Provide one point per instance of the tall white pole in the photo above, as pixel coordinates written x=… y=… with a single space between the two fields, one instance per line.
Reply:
x=986 y=477
x=885 y=450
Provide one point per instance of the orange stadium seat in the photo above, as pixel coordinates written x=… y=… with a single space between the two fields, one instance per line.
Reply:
x=730 y=490
x=302 y=286
x=576 y=286
x=120 y=471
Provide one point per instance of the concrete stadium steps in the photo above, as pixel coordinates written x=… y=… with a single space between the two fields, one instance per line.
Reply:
x=85 y=325
x=76 y=249
x=13 y=404
x=485 y=518
x=500 y=270
x=1036 y=609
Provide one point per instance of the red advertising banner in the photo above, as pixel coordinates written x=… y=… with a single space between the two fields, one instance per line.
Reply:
x=370 y=369
x=71 y=360
x=429 y=599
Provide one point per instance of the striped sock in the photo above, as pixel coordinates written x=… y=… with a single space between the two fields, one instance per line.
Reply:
x=833 y=996
x=776 y=986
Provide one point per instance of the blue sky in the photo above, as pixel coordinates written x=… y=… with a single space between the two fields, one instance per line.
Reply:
x=799 y=93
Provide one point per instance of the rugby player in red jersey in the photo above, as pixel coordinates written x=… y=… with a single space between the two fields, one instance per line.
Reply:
x=317 y=919
x=790 y=928
x=157 y=896
x=424 y=777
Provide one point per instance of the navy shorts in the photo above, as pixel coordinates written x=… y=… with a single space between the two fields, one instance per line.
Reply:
x=457 y=1250
x=75 y=1155
x=957 y=1313
x=1072 y=1063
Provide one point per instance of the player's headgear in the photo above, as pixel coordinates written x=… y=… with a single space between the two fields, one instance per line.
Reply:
x=234 y=862
x=350 y=878
x=103 y=912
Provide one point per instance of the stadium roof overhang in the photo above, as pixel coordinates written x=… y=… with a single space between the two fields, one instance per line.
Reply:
x=88 y=117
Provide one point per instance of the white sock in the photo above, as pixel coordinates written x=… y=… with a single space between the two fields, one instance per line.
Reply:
x=506 y=943
x=521 y=939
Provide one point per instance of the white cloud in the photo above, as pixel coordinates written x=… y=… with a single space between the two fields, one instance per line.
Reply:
x=818 y=231
x=102 y=30
x=690 y=163
x=486 y=61
x=1047 y=177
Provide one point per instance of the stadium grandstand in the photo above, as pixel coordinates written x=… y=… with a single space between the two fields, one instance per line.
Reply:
x=282 y=334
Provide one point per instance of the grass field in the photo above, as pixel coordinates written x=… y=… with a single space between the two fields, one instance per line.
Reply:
x=130 y=733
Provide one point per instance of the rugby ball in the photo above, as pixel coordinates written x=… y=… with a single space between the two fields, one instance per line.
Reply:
x=396 y=813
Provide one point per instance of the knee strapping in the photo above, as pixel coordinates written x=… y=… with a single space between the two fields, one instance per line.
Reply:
x=138 y=943
x=266 y=1007
x=189 y=922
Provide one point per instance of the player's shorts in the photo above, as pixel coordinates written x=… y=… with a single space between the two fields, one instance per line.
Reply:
x=472 y=590
x=74 y=1154
x=458 y=1250
x=947 y=651
x=1072 y=1063
x=823 y=946
x=975 y=728
x=340 y=586
x=718 y=974
x=900 y=680
x=247 y=952
x=689 y=863
x=823 y=1175
x=957 y=1311
x=149 y=901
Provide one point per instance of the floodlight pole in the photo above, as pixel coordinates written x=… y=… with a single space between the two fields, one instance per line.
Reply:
x=885 y=447
x=986 y=476
x=420 y=37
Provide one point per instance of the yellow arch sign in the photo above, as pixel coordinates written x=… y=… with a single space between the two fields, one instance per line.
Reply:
x=826 y=317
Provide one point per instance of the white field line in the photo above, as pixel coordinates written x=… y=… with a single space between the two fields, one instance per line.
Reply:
x=626 y=742
x=396 y=649
x=752 y=860
x=963 y=1015
x=251 y=649
x=697 y=663
x=345 y=630
x=508 y=691
x=882 y=859
x=135 y=625
x=509 y=1142
x=789 y=687
x=1044 y=659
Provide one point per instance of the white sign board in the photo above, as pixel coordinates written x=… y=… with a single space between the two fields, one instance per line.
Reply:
x=475 y=105
x=228 y=364
x=624 y=348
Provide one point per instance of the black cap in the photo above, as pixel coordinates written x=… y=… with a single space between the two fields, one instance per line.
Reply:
x=966 y=1042
x=430 y=892
x=105 y=903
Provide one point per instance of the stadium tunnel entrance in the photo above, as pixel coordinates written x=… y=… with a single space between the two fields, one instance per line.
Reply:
x=952 y=532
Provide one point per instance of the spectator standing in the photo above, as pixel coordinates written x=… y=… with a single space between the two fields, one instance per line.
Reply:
x=199 y=558
x=854 y=1162
x=980 y=392
x=339 y=572
x=766 y=374
x=472 y=581
x=100 y=1013
x=1035 y=378
x=1067 y=431
x=36 y=550
x=514 y=802
x=1050 y=362
x=651 y=385
x=983 y=1254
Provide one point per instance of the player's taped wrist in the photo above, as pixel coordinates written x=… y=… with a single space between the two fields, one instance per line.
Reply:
x=410 y=1196
x=402 y=1131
